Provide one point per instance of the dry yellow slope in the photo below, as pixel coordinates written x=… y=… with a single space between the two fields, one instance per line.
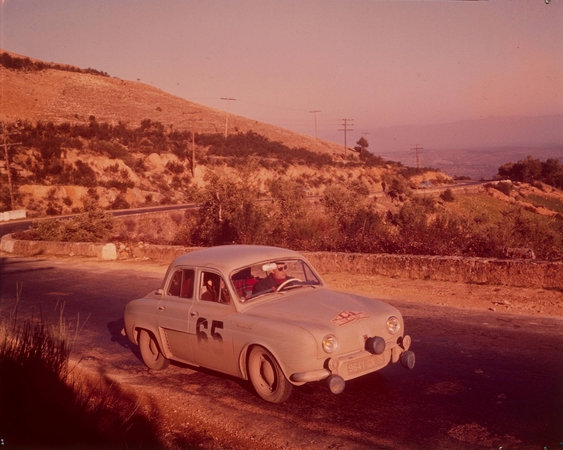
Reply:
x=60 y=96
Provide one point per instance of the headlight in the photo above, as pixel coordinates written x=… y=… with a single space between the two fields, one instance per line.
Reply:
x=393 y=325
x=329 y=343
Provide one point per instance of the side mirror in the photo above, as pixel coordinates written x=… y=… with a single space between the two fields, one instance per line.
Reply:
x=159 y=291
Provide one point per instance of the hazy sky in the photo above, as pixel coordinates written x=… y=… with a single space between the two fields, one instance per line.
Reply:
x=378 y=62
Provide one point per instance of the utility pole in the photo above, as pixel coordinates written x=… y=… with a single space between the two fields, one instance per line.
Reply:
x=192 y=129
x=315 y=113
x=416 y=149
x=10 y=185
x=193 y=152
x=346 y=129
x=227 y=118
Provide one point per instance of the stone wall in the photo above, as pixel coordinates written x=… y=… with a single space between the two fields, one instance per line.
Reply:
x=36 y=248
x=521 y=273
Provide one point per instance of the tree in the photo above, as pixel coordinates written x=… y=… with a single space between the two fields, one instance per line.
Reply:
x=362 y=145
x=552 y=173
x=229 y=211
x=358 y=226
x=531 y=169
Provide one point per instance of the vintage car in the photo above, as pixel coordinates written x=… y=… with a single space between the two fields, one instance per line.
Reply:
x=264 y=314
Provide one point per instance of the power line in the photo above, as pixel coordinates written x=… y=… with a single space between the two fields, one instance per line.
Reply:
x=227 y=117
x=346 y=129
x=416 y=149
x=10 y=184
x=315 y=113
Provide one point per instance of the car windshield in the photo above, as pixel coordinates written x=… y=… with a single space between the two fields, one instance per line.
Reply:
x=270 y=276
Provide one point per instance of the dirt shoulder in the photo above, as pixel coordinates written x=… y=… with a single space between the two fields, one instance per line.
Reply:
x=508 y=299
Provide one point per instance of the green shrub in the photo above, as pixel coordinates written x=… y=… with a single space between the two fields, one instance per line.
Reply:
x=175 y=168
x=95 y=225
x=447 y=195
x=120 y=203
x=504 y=186
x=111 y=149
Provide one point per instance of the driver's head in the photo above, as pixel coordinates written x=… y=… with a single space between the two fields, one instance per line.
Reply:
x=280 y=272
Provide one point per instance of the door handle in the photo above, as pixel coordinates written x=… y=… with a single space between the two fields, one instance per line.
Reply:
x=194 y=314
x=162 y=308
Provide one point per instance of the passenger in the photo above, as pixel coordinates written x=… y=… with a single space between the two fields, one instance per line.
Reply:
x=244 y=282
x=211 y=285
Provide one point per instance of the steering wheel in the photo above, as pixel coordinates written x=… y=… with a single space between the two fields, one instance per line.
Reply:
x=286 y=282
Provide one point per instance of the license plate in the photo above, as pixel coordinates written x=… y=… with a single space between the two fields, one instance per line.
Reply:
x=366 y=364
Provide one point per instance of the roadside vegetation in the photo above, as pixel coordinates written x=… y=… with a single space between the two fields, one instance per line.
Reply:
x=118 y=162
x=346 y=217
x=45 y=404
x=47 y=400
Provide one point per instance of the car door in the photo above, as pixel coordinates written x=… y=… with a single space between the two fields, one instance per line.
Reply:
x=174 y=314
x=210 y=327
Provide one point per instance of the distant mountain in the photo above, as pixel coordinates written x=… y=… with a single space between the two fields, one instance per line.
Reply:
x=478 y=163
x=474 y=148
x=537 y=131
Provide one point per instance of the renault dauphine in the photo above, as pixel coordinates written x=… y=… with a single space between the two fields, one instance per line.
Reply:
x=265 y=315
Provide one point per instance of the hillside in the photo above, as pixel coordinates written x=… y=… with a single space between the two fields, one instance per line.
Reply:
x=68 y=96
x=87 y=141
x=84 y=133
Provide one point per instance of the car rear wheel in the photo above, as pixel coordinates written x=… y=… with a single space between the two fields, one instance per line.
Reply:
x=152 y=356
x=267 y=377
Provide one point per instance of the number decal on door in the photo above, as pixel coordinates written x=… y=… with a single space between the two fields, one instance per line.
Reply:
x=202 y=326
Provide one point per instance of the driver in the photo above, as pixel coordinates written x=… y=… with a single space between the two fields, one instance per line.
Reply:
x=273 y=280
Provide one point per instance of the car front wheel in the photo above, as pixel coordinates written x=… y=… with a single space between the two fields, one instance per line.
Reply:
x=267 y=377
x=152 y=356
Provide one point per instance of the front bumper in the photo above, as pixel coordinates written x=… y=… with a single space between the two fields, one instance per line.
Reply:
x=360 y=363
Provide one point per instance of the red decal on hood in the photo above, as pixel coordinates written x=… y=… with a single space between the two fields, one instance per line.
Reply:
x=349 y=316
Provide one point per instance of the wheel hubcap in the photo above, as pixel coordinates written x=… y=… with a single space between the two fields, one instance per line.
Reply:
x=267 y=372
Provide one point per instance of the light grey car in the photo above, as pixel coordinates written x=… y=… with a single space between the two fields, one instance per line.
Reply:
x=264 y=314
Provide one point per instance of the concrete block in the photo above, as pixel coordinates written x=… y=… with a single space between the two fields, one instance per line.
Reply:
x=108 y=252
x=13 y=215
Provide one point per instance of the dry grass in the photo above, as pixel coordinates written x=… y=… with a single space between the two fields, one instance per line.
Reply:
x=59 y=96
x=43 y=404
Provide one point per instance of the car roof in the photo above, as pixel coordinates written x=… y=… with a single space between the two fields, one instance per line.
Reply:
x=230 y=257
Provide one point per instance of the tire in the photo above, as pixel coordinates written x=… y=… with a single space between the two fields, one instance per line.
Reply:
x=150 y=351
x=267 y=377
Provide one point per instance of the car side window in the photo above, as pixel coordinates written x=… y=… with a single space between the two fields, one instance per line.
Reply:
x=182 y=284
x=212 y=288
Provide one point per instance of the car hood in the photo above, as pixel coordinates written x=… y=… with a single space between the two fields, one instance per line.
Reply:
x=325 y=311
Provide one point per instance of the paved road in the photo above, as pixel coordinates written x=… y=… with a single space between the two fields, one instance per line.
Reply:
x=24 y=224
x=481 y=381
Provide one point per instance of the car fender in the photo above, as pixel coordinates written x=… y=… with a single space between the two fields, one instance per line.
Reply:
x=280 y=339
x=144 y=308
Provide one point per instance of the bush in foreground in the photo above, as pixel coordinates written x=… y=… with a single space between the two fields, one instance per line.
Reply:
x=42 y=406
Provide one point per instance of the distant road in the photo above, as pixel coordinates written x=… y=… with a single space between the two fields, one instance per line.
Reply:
x=24 y=224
